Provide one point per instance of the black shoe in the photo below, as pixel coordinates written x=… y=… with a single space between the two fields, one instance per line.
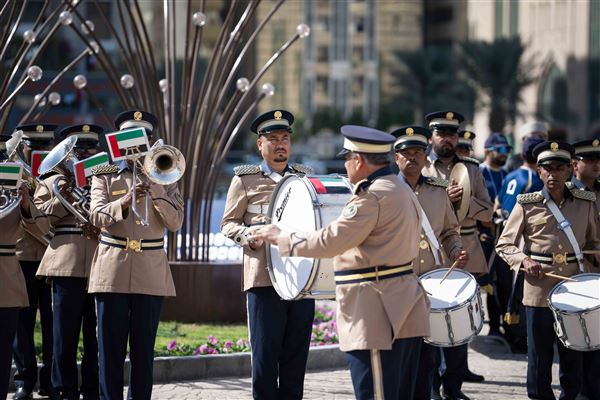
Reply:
x=22 y=394
x=457 y=395
x=472 y=377
x=435 y=394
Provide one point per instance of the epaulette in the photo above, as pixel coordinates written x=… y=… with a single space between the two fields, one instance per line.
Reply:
x=435 y=181
x=527 y=198
x=247 y=169
x=570 y=185
x=303 y=169
x=583 y=194
x=361 y=186
x=105 y=169
x=470 y=160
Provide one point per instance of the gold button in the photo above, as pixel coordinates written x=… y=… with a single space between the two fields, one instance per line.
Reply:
x=417 y=193
x=560 y=246
x=422 y=261
x=560 y=268
x=137 y=201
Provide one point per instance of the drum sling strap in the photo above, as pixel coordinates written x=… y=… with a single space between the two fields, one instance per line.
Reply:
x=428 y=230
x=565 y=226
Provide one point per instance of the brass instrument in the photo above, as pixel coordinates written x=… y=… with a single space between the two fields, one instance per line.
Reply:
x=164 y=165
x=61 y=160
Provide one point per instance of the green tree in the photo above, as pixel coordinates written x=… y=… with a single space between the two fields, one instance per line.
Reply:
x=498 y=70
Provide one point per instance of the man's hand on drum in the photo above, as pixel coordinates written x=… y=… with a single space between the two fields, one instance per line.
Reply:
x=266 y=233
x=532 y=268
x=454 y=191
x=462 y=257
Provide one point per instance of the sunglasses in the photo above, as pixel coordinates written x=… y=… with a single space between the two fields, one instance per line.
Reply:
x=501 y=149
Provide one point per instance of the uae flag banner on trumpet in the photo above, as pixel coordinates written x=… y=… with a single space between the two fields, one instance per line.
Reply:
x=127 y=143
x=83 y=169
x=10 y=175
x=37 y=156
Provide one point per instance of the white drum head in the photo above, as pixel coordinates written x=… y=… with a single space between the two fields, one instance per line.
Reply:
x=458 y=287
x=584 y=294
x=291 y=210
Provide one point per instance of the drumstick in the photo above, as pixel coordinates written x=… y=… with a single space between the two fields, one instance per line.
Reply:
x=449 y=270
x=550 y=274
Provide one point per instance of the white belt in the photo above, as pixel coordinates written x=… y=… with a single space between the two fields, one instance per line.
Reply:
x=258 y=208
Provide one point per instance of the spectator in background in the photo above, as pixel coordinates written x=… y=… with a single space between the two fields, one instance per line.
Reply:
x=530 y=129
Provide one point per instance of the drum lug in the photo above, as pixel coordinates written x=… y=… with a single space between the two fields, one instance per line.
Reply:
x=473 y=327
x=586 y=335
x=318 y=204
x=329 y=293
x=449 y=325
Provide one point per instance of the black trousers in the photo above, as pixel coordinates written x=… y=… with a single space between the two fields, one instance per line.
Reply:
x=429 y=360
x=280 y=338
x=40 y=297
x=540 y=352
x=8 y=324
x=591 y=374
x=398 y=370
x=122 y=316
x=456 y=366
x=74 y=312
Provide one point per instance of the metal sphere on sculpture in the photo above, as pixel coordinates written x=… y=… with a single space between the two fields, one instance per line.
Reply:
x=65 y=18
x=87 y=27
x=268 y=89
x=163 y=84
x=41 y=100
x=54 y=98
x=80 y=81
x=303 y=30
x=29 y=36
x=127 y=81
x=199 y=19
x=242 y=85
x=34 y=73
x=94 y=46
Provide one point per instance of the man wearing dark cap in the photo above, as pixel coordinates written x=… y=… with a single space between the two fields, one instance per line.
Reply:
x=30 y=250
x=556 y=224
x=497 y=150
x=130 y=273
x=439 y=241
x=66 y=264
x=277 y=370
x=524 y=179
x=382 y=311
x=464 y=148
x=13 y=290
x=586 y=168
x=441 y=161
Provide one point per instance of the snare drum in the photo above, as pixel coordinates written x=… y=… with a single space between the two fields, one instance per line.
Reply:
x=576 y=309
x=456 y=315
x=305 y=204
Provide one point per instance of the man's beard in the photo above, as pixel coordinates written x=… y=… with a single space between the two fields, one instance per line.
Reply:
x=499 y=161
x=281 y=158
x=444 y=151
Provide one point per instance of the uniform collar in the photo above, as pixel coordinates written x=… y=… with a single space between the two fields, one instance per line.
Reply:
x=379 y=173
x=419 y=182
x=434 y=157
x=264 y=167
x=122 y=165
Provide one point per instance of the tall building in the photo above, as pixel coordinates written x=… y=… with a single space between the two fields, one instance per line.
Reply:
x=344 y=65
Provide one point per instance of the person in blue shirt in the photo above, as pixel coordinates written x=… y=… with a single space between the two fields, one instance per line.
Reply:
x=497 y=150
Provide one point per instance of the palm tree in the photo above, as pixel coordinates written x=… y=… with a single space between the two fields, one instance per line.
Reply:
x=426 y=80
x=497 y=70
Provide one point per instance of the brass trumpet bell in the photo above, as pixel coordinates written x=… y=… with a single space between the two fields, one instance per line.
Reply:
x=164 y=164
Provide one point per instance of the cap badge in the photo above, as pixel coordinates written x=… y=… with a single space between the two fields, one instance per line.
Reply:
x=137 y=116
x=277 y=115
x=553 y=146
x=39 y=128
x=595 y=143
x=410 y=131
x=85 y=128
x=449 y=115
x=467 y=135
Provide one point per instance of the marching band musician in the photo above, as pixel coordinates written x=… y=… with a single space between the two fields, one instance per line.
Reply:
x=66 y=264
x=130 y=274
x=464 y=148
x=382 y=310
x=556 y=224
x=439 y=232
x=13 y=290
x=441 y=160
x=30 y=251
x=586 y=168
x=277 y=370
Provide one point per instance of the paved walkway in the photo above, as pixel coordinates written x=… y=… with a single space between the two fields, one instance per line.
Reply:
x=504 y=372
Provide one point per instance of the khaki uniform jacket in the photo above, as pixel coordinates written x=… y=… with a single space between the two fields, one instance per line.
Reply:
x=250 y=186
x=532 y=219
x=13 y=292
x=480 y=208
x=28 y=247
x=118 y=270
x=68 y=254
x=378 y=227
x=434 y=200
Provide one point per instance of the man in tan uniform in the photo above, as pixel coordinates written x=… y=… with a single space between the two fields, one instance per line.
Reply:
x=130 y=272
x=66 y=264
x=277 y=371
x=586 y=168
x=13 y=291
x=382 y=311
x=30 y=251
x=555 y=224
x=439 y=234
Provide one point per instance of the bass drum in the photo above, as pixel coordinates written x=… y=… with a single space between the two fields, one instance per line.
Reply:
x=576 y=309
x=305 y=204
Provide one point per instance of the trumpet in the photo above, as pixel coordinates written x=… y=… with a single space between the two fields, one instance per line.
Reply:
x=164 y=165
x=61 y=160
